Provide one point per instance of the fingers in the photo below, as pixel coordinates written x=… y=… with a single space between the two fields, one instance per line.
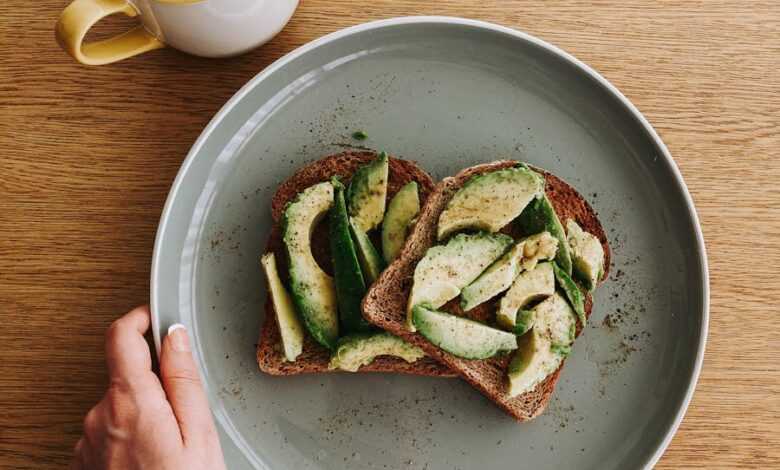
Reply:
x=127 y=353
x=182 y=386
x=89 y=446
x=78 y=458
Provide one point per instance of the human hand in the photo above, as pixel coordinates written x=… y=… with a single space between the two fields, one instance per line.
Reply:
x=141 y=423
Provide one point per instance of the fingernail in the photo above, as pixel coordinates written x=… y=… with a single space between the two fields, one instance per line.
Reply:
x=179 y=340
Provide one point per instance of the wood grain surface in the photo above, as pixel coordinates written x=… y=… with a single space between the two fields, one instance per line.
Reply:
x=87 y=156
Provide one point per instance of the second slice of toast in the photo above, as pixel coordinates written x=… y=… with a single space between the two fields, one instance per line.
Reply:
x=315 y=358
x=386 y=301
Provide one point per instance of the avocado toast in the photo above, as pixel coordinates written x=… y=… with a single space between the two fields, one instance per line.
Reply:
x=327 y=346
x=510 y=262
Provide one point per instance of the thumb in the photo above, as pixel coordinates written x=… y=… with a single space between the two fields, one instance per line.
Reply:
x=182 y=385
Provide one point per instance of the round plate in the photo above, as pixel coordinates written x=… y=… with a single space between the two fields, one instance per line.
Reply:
x=447 y=93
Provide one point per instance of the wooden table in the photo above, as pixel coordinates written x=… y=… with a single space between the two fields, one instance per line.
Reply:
x=87 y=156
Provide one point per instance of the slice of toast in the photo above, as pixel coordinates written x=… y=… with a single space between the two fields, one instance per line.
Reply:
x=314 y=357
x=385 y=303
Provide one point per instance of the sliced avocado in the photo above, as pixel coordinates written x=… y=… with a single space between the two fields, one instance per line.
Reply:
x=540 y=216
x=542 y=350
x=350 y=286
x=561 y=349
x=460 y=336
x=587 y=255
x=367 y=193
x=403 y=207
x=532 y=362
x=290 y=326
x=312 y=289
x=524 y=322
x=360 y=349
x=572 y=292
x=499 y=276
x=370 y=261
x=527 y=287
x=446 y=269
x=490 y=201
x=539 y=247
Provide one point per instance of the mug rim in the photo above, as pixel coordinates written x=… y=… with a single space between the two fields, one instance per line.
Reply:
x=179 y=2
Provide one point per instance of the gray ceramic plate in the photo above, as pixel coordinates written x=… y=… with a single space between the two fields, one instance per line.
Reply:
x=448 y=93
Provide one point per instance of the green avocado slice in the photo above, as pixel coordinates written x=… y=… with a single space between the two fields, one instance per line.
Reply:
x=500 y=275
x=540 y=216
x=536 y=284
x=523 y=322
x=350 y=286
x=312 y=289
x=573 y=293
x=490 y=201
x=290 y=327
x=461 y=336
x=360 y=349
x=401 y=210
x=370 y=261
x=542 y=350
x=367 y=193
x=446 y=269
x=496 y=278
x=587 y=255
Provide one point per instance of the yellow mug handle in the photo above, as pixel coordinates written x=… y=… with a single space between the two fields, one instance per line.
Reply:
x=79 y=16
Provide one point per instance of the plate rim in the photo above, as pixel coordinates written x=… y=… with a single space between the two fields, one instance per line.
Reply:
x=483 y=25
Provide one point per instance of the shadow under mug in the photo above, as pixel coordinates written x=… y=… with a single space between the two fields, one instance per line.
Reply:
x=207 y=28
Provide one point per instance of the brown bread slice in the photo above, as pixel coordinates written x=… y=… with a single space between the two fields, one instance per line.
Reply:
x=314 y=357
x=385 y=303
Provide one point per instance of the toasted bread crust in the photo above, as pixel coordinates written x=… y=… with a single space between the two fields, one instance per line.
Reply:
x=314 y=357
x=385 y=303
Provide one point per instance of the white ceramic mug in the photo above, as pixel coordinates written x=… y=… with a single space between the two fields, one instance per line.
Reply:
x=208 y=28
